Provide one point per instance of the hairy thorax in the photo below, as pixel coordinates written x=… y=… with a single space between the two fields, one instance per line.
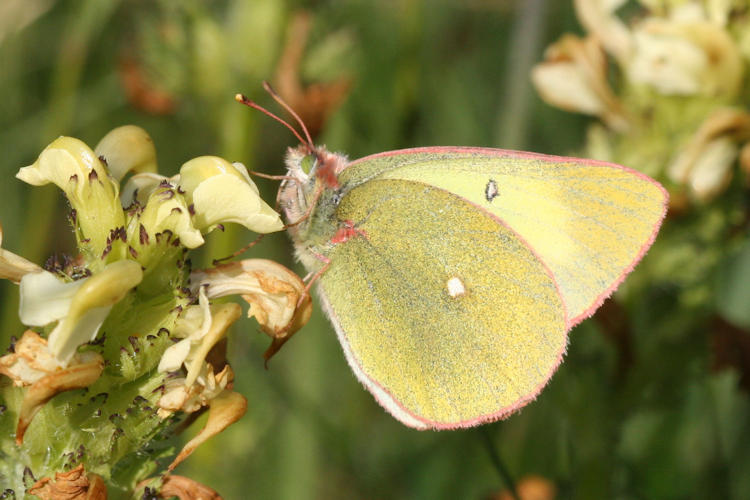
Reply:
x=309 y=203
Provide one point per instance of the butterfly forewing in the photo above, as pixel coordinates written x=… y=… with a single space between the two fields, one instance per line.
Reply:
x=590 y=222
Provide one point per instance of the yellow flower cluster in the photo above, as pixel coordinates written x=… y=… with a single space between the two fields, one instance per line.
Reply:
x=131 y=283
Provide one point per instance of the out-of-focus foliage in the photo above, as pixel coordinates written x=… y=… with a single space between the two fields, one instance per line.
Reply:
x=667 y=81
x=652 y=399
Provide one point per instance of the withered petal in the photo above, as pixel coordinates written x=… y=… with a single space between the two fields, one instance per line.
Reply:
x=181 y=487
x=74 y=377
x=223 y=315
x=313 y=103
x=72 y=485
x=277 y=296
x=30 y=361
x=223 y=411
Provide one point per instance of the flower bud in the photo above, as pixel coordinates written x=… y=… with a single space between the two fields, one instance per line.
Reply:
x=125 y=149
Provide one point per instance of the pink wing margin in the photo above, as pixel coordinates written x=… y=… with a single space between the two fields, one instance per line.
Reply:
x=385 y=398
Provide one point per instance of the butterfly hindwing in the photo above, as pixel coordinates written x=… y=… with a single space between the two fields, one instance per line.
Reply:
x=444 y=312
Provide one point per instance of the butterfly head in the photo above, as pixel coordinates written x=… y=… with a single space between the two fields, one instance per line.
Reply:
x=315 y=164
x=312 y=172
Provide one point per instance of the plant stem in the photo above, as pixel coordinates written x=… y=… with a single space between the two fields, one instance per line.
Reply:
x=497 y=461
x=525 y=47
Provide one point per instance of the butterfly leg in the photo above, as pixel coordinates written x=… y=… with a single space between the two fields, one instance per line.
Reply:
x=242 y=250
x=326 y=264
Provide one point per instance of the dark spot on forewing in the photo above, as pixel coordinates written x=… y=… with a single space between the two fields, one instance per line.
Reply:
x=490 y=190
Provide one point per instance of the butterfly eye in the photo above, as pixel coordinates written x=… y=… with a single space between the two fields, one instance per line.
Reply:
x=307 y=163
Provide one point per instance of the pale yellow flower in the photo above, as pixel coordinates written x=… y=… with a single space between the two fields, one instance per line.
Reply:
x=685 y=58
x=706 y=162
x=167 y=210
x=573 y=77
x=208 y=191
x=221 y=192
x=14 y=267
x=67 y=162
x=140 y=186
x=80 y=307
x=127 y=149
x=93 y=194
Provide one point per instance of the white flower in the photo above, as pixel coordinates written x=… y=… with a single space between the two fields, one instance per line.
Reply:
x=222 y=317
x=201 y=327
x=672 y=65
x=598 y=17
x=712 y=169
x=80 y=307
x=192 y=326
x=45 y=298
x=683 y=48
x=685 y=57
x=716 y=11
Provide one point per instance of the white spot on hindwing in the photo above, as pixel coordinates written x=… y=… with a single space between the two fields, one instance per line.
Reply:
x=491 y=191
x=455 y=287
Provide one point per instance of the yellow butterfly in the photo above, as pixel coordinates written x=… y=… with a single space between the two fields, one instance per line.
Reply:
x=452 y=275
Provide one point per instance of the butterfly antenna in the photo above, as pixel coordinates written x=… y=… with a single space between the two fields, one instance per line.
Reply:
x=241 y=98
x=273 y=177
x=277 y=98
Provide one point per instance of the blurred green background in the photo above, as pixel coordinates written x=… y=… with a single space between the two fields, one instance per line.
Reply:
x=652 y=399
